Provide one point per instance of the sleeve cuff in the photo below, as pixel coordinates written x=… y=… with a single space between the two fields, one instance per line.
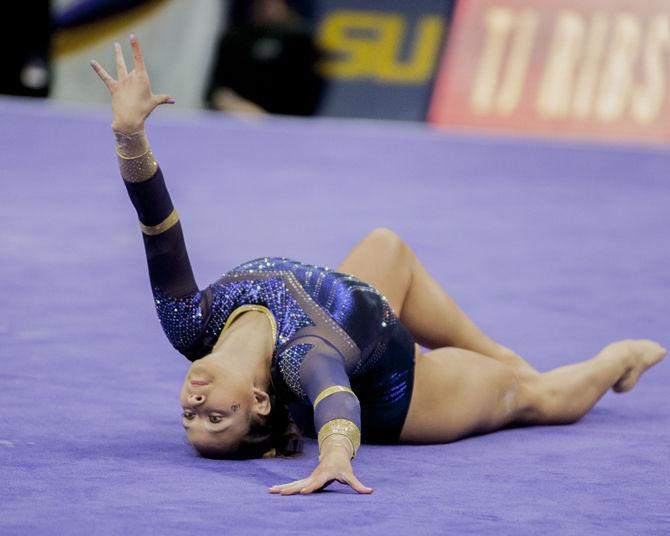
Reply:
x=343 y=427
x=136 y=161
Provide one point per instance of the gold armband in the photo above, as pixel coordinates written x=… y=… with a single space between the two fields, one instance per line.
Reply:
x=163 y=226
x=331 y=391
x=343 y=427
x=136 y=161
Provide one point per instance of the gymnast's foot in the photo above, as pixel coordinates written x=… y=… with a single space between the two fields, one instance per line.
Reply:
x=638 y=355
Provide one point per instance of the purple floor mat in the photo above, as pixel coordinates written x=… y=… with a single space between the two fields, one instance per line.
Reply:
x=553 y=249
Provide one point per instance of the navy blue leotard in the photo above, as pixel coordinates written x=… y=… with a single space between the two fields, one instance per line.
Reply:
x=332 y=328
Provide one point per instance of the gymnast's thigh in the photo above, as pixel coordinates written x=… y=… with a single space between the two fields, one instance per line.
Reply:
x=458 y=393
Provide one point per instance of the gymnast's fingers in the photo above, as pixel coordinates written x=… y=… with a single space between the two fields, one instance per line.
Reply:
x=306 y=485
x=296 y=488
x=121 y=70
x=104 y=75
x=356 y=484
x=281 y=487
x=316 y=485
x=163 y=99
x=137 y=54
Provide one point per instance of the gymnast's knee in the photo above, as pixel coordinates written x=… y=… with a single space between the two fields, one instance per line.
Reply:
x=384 y=239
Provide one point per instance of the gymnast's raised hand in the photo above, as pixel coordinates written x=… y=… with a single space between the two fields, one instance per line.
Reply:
x=132 y=99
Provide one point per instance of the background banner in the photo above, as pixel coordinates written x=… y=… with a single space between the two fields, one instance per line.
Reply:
x=589 y=68
x=381 y=55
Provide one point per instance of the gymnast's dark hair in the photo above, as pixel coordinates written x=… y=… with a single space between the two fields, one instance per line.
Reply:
x=268 y=436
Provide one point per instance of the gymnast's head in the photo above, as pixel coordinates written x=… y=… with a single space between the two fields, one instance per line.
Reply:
x=227 y=416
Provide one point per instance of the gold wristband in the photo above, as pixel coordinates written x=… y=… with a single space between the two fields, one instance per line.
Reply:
x=163 y=226
x=331 y=391
x=136 y=161
x=343 y=427
x=138 y=169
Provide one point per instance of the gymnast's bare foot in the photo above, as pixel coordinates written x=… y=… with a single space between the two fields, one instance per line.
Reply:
x=638 y=355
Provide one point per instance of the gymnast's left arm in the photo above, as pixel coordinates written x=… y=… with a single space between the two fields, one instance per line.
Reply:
x=337 y=417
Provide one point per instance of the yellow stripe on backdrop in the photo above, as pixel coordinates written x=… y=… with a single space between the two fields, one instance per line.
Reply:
x=71 y=40
x=179 y=41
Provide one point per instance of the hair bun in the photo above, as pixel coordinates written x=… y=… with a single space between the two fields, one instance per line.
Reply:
x=272 y=453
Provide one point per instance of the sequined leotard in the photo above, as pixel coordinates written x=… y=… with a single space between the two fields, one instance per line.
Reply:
x=332 y=328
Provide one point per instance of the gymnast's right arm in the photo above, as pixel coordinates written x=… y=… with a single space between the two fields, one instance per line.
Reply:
x=181 y=306
x=169 y=267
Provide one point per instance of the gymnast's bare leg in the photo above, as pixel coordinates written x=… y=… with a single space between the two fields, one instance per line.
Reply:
x=459 y=392
x=385 y=261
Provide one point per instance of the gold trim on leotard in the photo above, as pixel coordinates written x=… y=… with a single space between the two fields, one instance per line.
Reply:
x=331 y=391
x=167 y=223
x=251 y=307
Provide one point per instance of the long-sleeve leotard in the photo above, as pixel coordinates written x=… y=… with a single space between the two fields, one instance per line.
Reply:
x=331 y=327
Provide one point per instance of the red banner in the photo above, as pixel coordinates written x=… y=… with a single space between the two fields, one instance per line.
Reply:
x=589 y=68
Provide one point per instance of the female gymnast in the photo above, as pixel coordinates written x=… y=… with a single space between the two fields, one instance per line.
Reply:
x=275 y=338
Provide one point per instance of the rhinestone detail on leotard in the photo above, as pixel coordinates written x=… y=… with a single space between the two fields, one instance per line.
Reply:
x=289 y=362
x=181 y=318
x=266 y=282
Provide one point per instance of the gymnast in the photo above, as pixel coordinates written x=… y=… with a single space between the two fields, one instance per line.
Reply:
x=275 y=343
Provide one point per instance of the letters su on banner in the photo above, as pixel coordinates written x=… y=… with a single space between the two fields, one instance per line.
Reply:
x=369 y=45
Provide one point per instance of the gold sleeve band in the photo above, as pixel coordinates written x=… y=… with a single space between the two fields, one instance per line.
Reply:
x=343 y=427
x=163 y=226
x=136 y=161
x=331 y=391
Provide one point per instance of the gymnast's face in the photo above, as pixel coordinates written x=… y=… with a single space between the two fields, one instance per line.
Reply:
x=217 y=406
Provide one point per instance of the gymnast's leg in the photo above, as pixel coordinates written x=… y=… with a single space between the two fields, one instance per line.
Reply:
x=458 y=393
x=385 y=261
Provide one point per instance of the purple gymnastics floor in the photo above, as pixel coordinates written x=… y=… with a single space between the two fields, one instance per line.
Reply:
x=554 y=249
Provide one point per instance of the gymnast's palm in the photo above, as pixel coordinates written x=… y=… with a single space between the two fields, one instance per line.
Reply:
x=132 y=98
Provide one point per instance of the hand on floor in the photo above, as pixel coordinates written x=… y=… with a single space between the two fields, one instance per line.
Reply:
x=335 y=464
